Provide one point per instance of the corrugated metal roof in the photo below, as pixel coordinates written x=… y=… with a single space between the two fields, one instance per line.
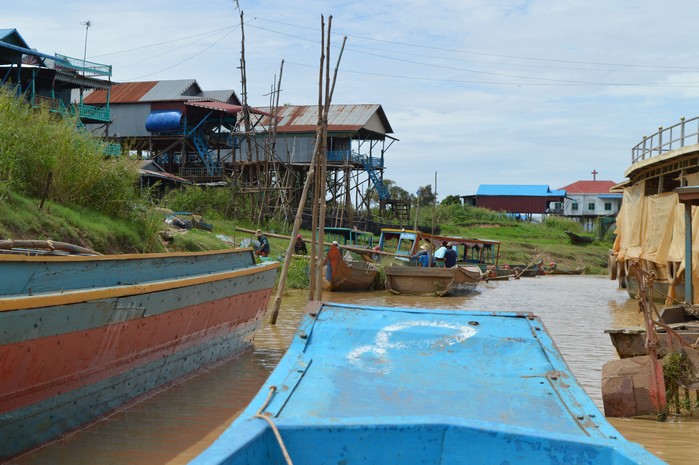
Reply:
x=590 y=187
x=212 y=105
x=127 y=92
x=228 y=96
x=304 y=118
x=172 y=90
x=519 y=190
x=149 y=91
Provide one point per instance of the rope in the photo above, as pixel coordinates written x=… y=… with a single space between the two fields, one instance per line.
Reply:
x=259 y=414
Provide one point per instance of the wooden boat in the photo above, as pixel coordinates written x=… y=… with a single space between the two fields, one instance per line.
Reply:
x=631 y=342
x=578 y=239
x=83 y=335
x=529 y=271
x=563 y=271
x=341 y=275
x=421 y=386
x=413 y=280
x=682 y=319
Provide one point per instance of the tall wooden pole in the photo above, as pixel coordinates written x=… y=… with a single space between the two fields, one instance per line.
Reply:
x=299 y=212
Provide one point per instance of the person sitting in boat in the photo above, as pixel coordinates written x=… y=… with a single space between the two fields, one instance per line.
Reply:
x=423 y=256
x=439 y=254
x=450 y=256
x=300 y=246
x=263 y=251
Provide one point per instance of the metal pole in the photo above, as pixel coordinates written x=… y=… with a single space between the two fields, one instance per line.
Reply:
x=87 y=25
x=688 y=274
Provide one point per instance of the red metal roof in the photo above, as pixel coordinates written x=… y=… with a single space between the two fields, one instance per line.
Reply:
x=589 y=187
x=221 y=106
x=128 y=92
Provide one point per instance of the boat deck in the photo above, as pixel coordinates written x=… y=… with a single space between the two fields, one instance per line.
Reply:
x=392 y=385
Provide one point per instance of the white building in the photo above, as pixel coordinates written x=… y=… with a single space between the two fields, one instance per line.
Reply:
x=586 y=201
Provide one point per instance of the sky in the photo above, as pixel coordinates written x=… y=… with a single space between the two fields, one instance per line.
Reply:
x=476 y=91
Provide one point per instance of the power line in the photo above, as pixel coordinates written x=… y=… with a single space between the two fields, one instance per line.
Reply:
x=472 y=52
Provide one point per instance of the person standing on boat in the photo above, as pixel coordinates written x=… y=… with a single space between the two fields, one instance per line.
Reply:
x=439 y=254
x=300 y=246
x=263 y=251
x=450 y=256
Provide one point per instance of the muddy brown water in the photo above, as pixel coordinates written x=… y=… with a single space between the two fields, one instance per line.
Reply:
x=172 y=426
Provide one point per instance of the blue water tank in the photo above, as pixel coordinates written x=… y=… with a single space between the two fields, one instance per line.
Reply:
x=164 y=120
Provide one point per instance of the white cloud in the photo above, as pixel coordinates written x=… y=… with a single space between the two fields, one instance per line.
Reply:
x=482 y=91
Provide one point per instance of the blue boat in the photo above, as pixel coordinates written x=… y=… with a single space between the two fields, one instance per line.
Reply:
x=387 y=386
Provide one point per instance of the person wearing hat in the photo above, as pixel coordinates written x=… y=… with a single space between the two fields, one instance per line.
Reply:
x=439 y=254
x=300 y=246
x=423 y=256
x=263 y=251
x=450 y=255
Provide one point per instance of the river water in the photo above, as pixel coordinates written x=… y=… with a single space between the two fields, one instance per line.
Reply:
x=174 y=425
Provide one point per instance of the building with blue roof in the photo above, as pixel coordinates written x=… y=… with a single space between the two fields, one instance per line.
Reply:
x=523 y=199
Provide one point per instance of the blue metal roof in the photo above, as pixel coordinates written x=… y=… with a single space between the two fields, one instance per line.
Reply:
x=519 y=190
x=396 y=385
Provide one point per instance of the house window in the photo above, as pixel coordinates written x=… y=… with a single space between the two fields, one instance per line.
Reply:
x=574 y=206
x=591 y=206
x=607 y=206
x=557 y=205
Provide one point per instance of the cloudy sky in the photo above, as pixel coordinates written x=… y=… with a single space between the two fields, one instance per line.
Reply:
x=478 y=91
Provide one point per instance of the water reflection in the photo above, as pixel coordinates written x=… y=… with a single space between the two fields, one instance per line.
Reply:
x=174 y=425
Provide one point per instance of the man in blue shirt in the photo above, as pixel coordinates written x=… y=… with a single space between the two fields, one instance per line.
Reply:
x=263 y=251
x=450 y=255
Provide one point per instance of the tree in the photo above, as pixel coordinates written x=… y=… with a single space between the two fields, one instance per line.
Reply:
x=425 y=196
x=451 y=200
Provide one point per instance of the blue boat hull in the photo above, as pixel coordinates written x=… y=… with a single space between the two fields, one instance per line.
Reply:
x=393 y=386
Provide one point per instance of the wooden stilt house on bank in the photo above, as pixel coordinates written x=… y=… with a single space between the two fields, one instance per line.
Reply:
x=209 y=137
x=57 y=82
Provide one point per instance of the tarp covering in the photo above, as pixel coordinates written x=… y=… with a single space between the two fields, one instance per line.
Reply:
x=652 y=228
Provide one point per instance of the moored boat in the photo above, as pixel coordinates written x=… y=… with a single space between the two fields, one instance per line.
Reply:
x=439 y=281
x=395 y=385
x=341 y=275
x=579 y=239
x=84 y=335
x=558 y=270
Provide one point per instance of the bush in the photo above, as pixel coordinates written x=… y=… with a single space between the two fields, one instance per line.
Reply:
x=39 y=149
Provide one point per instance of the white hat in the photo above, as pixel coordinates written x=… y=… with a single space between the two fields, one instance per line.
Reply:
x=335 y=243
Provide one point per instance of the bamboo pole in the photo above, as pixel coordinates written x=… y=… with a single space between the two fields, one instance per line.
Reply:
x=311 y=175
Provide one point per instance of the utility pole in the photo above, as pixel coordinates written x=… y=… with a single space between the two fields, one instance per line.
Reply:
x=87 y=25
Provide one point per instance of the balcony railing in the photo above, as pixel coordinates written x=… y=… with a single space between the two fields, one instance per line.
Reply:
x=84 y=67
x=91 y=112
x=684 y=133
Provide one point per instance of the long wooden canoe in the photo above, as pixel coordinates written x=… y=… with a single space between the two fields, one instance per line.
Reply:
x=457 y=280
x=83 y=335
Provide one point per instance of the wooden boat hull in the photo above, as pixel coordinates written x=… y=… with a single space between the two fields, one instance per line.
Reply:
x=349 y=277
x=565 y=271
x=83 y=336
x=458 y=280
x=394 y=386
x=661 y=289
x=631 y=342
x=577 y=239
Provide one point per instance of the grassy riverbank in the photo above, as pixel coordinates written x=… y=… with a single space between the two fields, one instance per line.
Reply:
x=95 y=202
x=522 y=242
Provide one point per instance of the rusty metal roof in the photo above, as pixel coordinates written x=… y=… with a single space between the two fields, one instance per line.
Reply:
x=149 y=91
x=222 y=106
x=341 y=118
